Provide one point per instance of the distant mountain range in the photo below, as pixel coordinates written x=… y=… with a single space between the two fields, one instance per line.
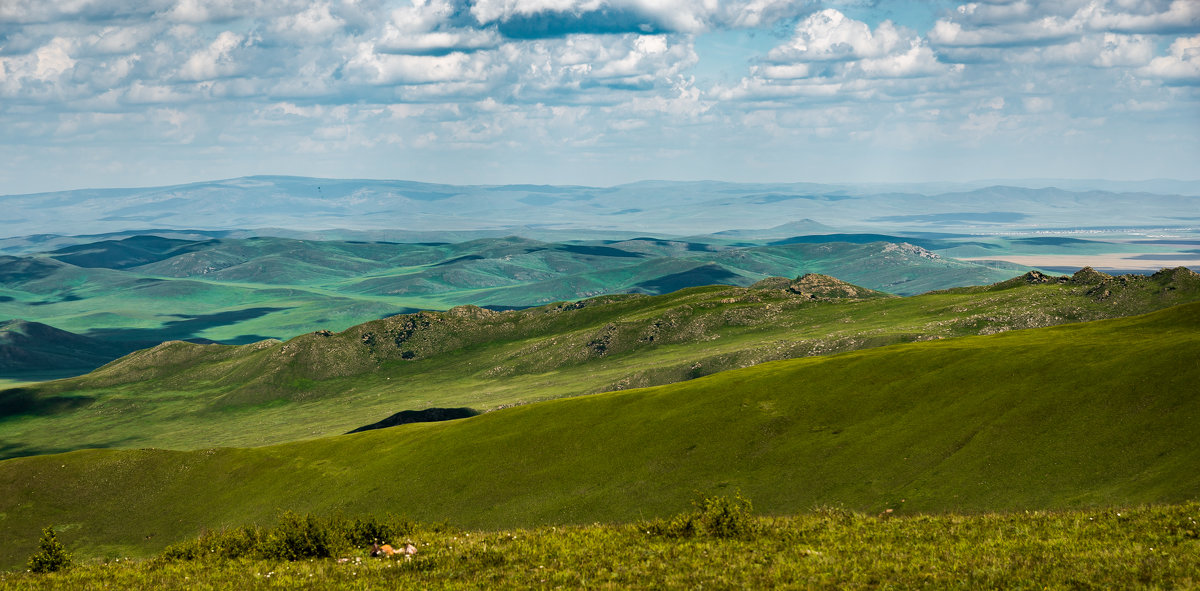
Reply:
x=668 y=208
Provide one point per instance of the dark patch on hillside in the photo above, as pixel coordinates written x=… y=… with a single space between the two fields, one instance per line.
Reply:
x=461 y=259
x=24 y=401
x=703 y=275
x=429 y=415
x=599 y=251
x=127 y=253
x=18 y=269
x=9 y=450
x=185 y=329
x=35 y=347
x=4 y=298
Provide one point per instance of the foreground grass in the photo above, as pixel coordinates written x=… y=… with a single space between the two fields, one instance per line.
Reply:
x=1142 y=547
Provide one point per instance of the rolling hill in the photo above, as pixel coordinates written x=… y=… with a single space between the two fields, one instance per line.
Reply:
x=1086 y=414
x=149 y=289
x=185 y=396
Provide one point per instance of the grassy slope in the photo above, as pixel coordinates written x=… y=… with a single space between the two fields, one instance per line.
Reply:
x=1079 y=415
x=186 y=396
x=1154 y=547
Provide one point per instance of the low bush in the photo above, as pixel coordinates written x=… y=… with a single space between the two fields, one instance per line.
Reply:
x=294 y=537
x=51 y=555
x=714 y=517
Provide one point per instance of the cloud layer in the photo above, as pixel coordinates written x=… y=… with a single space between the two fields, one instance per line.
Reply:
x=143 y=91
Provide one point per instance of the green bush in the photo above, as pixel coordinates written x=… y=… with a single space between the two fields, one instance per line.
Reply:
x=298 y=537
x=714 y=517
x=371 y=530
x=233 y=543
x=295 y=537
x=51 y=555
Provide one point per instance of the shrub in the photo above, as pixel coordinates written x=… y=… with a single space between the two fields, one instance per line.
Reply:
x=298 y=537
x=371 y=530
x=295 y=537
x=231 y=543
x=715 y=517
x=51 y=555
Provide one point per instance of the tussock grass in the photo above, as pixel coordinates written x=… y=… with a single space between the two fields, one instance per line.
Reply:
x=1150 y=547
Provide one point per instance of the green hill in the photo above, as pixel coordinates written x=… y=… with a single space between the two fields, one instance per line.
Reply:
x=32 y=349
x=238 y=291
x=185 y=396
x=1086 y=414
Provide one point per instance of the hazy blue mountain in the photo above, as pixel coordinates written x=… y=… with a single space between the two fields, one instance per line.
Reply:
x=659 y=207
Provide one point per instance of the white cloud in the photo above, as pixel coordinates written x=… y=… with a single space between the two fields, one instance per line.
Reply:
x=1104 y=50
x=53 y=59
x=214 y=61
x=421 y=27
x=377 y=68
x=953 y=33
x=1182 y=64
x=41 y=71
x=830 y=44
x=314 y=22
x=831 y=35
x=1179 y=15
x=687 y=16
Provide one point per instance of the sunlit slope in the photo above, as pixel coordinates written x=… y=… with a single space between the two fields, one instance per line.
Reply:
x=186 y=396
x=1095 y=413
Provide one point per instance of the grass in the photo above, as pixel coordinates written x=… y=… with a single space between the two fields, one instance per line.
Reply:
x=1083 y=415
x=182 y=396
x=1134 y=547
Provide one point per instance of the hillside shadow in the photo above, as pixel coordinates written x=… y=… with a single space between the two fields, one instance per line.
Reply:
x=428 y=415
x=185 y=329
x=10 y=449
x=25 y=401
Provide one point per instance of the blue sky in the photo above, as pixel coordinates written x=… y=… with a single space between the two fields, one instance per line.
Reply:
x=99 y=93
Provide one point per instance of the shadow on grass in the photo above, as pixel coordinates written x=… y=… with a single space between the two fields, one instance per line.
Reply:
x=429 y=415
x=185 y=329
x=26 y=401
x=11 y=449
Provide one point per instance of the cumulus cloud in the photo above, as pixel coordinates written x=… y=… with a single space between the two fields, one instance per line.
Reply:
x=828 y=44
x=532 y=19
x=1003 y=24
x=313 y=22
x=215 y=61
x=1180 y=65
x=1180 y=16
x=428 y=27
x=321 y=76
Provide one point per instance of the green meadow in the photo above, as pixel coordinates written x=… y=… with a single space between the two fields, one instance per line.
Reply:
x=1086 y=415
x=187 y=396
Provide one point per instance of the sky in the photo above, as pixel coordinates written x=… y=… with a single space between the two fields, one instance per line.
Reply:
x=124 y=93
